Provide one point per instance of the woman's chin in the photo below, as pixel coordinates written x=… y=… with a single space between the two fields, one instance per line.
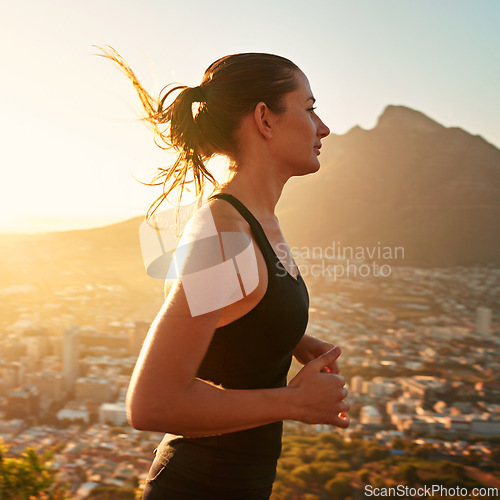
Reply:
x=315 y=167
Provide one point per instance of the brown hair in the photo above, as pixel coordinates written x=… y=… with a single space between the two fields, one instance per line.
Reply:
x=230 y=89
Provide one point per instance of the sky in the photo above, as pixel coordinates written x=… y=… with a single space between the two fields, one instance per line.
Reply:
x=72 y=146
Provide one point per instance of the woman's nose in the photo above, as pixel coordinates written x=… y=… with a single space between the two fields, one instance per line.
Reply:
x=323 y=130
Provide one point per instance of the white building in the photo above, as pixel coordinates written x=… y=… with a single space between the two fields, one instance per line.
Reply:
x=381 y=388
x=370 y=415
x=116 y=413
x=483 y=320
x=485 y=427
x=68 y=414
x=365 y=386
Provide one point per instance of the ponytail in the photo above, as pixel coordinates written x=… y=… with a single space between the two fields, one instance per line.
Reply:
x=231 y=88
x=174 y=127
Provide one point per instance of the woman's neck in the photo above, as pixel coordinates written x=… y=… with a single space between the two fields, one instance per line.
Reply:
x=257 y=191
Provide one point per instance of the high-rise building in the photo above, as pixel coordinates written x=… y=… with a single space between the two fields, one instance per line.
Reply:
x=483 y=320
x=70 y=356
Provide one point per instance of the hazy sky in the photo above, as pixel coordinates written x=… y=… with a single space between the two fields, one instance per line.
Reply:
x=70 y=139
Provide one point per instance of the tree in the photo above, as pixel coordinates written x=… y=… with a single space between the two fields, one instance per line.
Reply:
x=397 y=443
x=111 y=493
x=373 y=452
x=340 y=487
x=423 y=450
x=473 y=458
x=364 y=475
x=28 y=477
x=378 y=481
x=408 y=473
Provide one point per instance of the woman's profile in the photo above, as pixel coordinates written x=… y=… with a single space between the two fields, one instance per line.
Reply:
x=215 y=381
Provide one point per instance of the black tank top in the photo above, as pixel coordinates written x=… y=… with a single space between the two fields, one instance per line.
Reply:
x=253 y=352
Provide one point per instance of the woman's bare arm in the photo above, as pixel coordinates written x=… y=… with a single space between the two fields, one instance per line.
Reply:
x=166 y=396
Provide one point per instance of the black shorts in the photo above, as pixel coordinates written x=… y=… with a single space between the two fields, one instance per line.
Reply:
x=165 y=483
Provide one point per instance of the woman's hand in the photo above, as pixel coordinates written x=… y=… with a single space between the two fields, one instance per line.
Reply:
x=310 y=348
x=318 y=396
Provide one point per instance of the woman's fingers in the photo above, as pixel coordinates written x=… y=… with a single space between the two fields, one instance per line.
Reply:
x=321 y=393
x=337 y=381
x=344 y=407
x=331 y=368
x=342 y=422
x=326 y=360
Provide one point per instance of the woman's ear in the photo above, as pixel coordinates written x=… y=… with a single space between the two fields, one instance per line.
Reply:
x=264 y=119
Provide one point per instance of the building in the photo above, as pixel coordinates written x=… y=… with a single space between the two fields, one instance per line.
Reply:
x=73 y=415
x=366 y=386
x=381 y=388
x=483 y=321
x=422 y=387
x=485 y=427
x=70 y=356
x=370 y=415
x=402 y=405
x=23 y=402
x=36 y=348
x=100 y=390
x=113 y=413
x=49 y=382
x=10 y=427
x=12 y=375
x=357 y=384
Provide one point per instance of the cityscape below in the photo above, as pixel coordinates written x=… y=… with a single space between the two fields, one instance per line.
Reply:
x=420 y=354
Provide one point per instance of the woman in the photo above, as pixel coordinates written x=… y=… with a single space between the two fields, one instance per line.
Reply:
x=215 y=381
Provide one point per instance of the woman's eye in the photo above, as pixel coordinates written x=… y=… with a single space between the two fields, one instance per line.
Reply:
x=312 y=109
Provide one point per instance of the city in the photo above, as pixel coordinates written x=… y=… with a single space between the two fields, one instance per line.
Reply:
x=420 y=354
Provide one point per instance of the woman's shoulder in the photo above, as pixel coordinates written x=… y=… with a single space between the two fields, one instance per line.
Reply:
x=199 y=243
x=219 y=214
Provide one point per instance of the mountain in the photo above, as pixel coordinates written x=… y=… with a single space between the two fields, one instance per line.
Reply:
x=409 y=182
x=57 y=259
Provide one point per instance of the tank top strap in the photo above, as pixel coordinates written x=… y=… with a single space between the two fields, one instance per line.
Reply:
x=257 y=230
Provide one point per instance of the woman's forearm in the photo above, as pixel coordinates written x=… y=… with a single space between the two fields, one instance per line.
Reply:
x=201 y=408
x=205 y=409
x=300 y=350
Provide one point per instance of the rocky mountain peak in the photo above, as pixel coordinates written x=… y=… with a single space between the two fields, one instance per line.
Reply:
x=401 y=117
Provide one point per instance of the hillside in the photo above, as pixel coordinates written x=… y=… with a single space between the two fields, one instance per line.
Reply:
x=407 y=182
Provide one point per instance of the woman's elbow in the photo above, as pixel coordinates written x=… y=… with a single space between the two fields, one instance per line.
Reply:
x=148 y=414
x=138 y=412
x=136 y=419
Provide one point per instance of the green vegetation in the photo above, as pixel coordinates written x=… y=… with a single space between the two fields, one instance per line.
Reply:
x=28 y=477
x=112 y=493
x=312 y=466
x=325 y=466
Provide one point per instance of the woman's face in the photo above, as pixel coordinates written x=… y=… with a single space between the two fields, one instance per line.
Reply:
x=298 y=131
